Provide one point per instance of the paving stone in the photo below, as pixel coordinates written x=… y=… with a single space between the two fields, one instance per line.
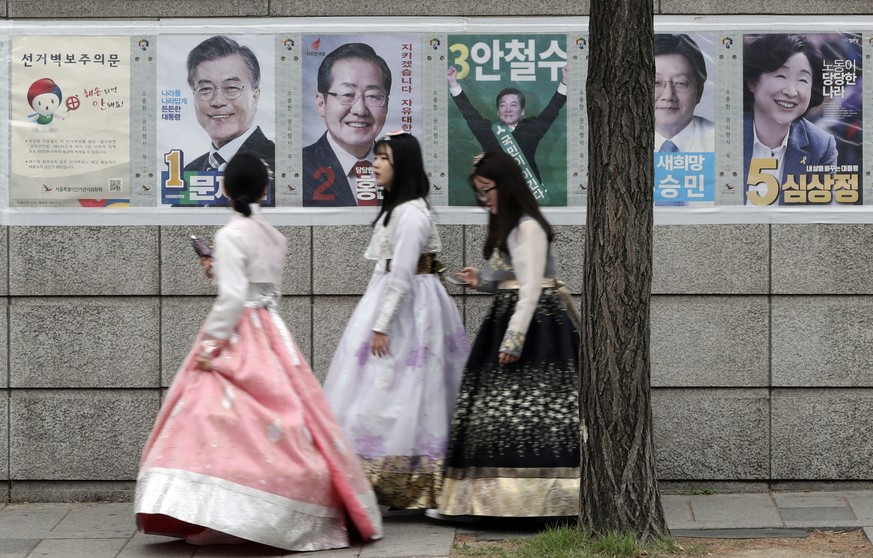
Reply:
x=816 y=514
x=861 y=503
x=677 y=512
x=720 y=511
x=79 y=548
x=431 y=539
x=248 y=550
x=808 y=500
x=98 y=517
x=17 y=548
x=25 y=521
x=152 y=546
x=351 y=552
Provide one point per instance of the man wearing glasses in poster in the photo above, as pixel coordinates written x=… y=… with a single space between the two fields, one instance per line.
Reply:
x=353 y=88
x=680 y=74
x=225 y=78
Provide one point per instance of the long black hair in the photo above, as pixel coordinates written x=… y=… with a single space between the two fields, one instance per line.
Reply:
x=514 y=199
x=410 y=181
x=245 y=181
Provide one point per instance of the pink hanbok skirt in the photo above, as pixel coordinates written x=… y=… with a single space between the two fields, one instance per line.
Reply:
x=252 y=449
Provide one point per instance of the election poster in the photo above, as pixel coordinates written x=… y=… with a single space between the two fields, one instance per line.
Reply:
x=215 y=98
x=355 y=89
x=802 y=119
x=70 y=121
x=685 y=116
x=508 y=92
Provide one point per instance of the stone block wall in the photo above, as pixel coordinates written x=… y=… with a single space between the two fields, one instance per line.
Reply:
x=762 y=346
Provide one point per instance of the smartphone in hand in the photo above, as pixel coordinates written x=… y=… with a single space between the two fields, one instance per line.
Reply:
x=203 y=250
x=456 y=280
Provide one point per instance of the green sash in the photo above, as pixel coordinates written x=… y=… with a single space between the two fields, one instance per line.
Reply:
x=504 y=136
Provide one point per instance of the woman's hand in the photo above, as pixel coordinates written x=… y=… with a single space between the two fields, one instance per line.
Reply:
x=379 y=344
x=470 y=275
x=206 y=264
x=204 y=363
x=505 y=358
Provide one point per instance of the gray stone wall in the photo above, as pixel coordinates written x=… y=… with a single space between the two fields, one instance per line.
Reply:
x=762 y=344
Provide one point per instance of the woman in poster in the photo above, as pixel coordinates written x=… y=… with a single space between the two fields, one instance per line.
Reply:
x=782 y=77
x=245 y=447
x=514 y=446
x=395 y=375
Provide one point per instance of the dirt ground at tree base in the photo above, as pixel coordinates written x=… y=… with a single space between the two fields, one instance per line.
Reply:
x=819 y=544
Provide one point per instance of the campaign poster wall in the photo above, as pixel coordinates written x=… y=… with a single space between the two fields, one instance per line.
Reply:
x=802 y=119
x=355 y=88
x=685 y=116
x=70 y=121
x=215 y=98
x=506 y=93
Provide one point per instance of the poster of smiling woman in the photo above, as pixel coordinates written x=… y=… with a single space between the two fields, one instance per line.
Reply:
x=215 y=98
x=802 y=119
x=508 y=93
x=355 y=89
x=70 y=105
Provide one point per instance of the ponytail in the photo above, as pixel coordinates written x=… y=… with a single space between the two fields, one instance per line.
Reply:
x=241 y=205
x=245 y=180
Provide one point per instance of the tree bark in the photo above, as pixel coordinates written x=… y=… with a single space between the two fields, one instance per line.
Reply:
x=619 y=490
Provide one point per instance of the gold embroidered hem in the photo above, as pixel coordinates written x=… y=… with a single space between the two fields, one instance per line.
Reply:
x=510 y=497
x=405 y=482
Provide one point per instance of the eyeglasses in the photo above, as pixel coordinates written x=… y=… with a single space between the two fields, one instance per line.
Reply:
x=372 y=100
x=680 y=86
x=230 y=92
x=483 y=193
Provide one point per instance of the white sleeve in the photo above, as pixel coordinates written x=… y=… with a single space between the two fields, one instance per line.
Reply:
x=410 y=236
x=528 y=246
x=233 y=285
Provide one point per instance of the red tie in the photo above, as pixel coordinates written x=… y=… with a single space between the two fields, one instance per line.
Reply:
x=365 y=184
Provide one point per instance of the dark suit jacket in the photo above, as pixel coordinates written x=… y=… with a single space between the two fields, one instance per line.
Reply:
x=807 y=145
x=527 y=133
x=257 y=144
x=324 y=182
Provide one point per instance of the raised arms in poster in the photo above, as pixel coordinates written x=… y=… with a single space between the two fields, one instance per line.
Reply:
x=354 y=84
x=513 y=133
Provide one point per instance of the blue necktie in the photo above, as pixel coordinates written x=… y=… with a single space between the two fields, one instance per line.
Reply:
x=669 y=147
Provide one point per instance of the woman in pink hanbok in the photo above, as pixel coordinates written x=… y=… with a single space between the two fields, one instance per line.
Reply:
x=245 y=447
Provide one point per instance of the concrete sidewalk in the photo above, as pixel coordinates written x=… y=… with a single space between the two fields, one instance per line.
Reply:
x=107 y=530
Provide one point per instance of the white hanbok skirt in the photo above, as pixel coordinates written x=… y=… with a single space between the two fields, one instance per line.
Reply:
x=396 y=410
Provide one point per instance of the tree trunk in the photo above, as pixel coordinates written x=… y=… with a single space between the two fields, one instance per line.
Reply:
x=619 y=488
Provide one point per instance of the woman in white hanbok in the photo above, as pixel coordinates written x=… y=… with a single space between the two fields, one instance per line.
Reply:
x=395 y=375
